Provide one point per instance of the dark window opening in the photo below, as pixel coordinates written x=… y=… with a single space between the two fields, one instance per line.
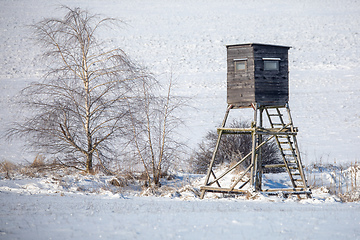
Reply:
x=271 y=64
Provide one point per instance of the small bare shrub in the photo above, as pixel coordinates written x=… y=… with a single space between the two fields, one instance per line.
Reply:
x=8 y=168
x=129 y=176
x=114 y=182
x=118 y=182
x=232 y=148
x=350 y=197
x=142 y=177
x=39 y=161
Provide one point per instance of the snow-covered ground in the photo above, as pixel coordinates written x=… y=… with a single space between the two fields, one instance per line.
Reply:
x=102 y=217
x=88 y=207
x=189 y=38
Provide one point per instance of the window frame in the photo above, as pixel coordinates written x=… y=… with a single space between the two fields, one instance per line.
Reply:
x=240 y=60
x=271 y=60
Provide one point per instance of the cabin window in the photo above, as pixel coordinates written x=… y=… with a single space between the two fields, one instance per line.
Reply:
x=271 y=64
x=240 y=65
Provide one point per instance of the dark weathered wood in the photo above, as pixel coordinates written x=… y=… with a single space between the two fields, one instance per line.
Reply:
x=254 y=84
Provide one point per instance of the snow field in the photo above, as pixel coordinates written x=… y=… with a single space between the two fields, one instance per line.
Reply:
x=52 y=216
x=189 y=38
x=56 y=205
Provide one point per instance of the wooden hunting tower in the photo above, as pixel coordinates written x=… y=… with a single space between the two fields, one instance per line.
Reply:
x=257 y=73
x=258 y=77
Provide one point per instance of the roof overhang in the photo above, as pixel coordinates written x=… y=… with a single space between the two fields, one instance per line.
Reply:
x=256 y=44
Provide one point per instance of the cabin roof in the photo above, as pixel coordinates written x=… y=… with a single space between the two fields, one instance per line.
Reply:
x=258 y=44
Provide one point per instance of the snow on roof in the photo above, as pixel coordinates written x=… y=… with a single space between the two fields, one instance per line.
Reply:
x=259 y=44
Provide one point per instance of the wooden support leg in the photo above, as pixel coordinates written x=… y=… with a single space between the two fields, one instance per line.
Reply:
x=210 y=171
x=253 y=150
x=258 y=177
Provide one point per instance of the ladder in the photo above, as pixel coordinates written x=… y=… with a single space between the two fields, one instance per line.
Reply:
x=288 y=146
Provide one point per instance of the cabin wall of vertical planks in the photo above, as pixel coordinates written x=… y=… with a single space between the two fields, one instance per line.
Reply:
x=255 y=84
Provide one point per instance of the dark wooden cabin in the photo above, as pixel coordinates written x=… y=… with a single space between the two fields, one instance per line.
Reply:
x=257 y=73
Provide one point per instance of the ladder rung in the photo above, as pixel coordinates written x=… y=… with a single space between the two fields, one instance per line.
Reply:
x=289 y=155
x=291 y=159
x=287 y=149
x=278 y=124
x=282 y=136
x=293 y=167
x=275 y=114
x=274 y=166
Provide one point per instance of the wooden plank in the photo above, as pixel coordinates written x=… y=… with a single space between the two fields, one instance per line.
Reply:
x=233 y=84
x=270 y=51
x=278 y=130
x=241 y=93
x=294 y=190
x=242 y=90
x=236 y=130
x=222 y=190
x=240 y=55
x=271 y=190
x=274 y=166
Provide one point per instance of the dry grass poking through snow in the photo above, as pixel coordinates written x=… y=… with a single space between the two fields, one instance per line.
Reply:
x=340 y=182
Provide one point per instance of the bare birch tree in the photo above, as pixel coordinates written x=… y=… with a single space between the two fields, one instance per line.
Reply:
x=81 y=107
x=155 y=131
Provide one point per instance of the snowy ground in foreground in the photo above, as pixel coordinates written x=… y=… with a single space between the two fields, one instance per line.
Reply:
x=78 y=206
x=51 y=216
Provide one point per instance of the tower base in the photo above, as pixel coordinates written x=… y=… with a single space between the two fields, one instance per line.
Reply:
x=284 y=133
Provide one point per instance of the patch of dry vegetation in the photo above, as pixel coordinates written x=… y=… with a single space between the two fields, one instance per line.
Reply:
x=40 y=167
x=7 y=169
x=339 y=180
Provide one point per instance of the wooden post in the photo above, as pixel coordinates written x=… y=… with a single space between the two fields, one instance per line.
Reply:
x=259 y=156
x=253 y=149
x=210 y=171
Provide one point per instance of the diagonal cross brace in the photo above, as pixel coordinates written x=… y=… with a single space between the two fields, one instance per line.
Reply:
x=244 y=158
